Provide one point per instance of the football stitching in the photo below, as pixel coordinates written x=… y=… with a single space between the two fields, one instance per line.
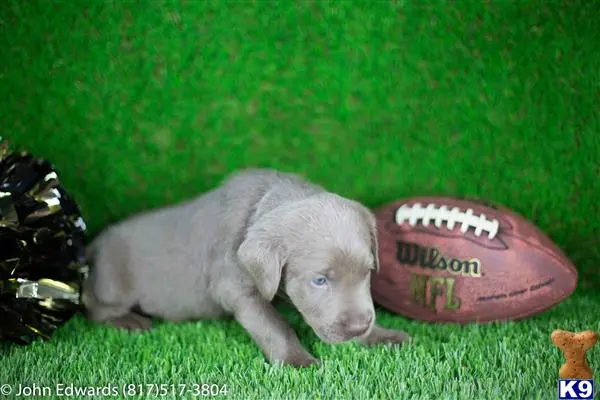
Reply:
x=443 y=215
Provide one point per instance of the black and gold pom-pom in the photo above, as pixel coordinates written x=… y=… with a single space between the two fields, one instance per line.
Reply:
x=42 y=258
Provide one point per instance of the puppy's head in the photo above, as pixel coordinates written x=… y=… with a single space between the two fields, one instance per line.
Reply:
x=321 y=251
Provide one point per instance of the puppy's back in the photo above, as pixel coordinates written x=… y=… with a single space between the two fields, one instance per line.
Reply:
x=226 y=210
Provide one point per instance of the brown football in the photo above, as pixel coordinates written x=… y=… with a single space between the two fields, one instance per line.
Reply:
x=445 y=259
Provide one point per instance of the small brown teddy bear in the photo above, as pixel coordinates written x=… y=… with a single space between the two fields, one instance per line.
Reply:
x=574 y=347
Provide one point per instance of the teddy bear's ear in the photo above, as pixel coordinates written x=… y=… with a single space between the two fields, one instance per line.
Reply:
x=588 y=338
x=559 y=337
x=590 y=335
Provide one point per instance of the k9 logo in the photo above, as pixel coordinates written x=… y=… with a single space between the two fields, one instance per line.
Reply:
x=575 y=389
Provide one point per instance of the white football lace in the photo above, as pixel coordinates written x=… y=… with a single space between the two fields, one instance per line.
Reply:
x=416 y=213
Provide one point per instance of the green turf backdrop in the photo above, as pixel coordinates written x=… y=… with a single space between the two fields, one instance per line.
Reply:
x=141 y=104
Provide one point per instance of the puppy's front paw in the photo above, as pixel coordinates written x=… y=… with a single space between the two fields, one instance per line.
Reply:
x=301 y=360
x=131 y=322
x=297 y=359
x=381 y=335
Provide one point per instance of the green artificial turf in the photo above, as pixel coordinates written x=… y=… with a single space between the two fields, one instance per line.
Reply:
x=141 y=104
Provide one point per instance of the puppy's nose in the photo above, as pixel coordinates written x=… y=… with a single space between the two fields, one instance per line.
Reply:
x=356 y=325
x=357 y=330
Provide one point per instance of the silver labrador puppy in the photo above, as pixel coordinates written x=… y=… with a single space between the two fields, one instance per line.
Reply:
x=230 y=251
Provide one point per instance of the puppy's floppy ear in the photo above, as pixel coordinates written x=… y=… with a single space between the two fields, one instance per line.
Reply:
x=375 y=246
x=263 y=255
x=372 y=223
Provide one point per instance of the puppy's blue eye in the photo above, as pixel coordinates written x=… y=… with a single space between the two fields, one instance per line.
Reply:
x=320 y=281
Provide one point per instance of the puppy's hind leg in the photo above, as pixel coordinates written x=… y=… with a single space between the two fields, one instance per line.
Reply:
x=118 y=315
x=108 y=293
